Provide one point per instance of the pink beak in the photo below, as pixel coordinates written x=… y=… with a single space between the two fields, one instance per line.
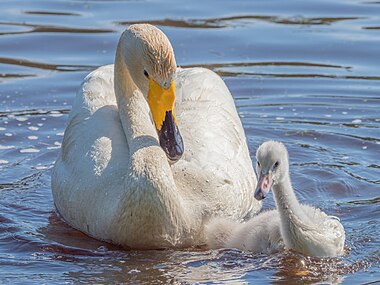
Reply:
x=263 y=186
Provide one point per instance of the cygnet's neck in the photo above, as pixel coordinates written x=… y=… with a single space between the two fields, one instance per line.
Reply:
x=286 y=201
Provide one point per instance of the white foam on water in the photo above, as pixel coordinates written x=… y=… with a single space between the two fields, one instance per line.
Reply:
x=21 y=119
x=60 y=134
x=3 y=161
x=280 y=118
x=356 y=121
x=41 y=167
x=8 y=134
x=32 y=137
x=29 y=150
x=6 y=147
x=2 y=129
x=56 y=146
x=55 y=114
x=32 y=128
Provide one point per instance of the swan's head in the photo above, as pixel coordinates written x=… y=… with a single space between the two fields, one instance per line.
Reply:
x=149 y=58
x=272 y=167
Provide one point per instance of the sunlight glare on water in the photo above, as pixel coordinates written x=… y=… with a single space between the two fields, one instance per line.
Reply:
x=305 y=73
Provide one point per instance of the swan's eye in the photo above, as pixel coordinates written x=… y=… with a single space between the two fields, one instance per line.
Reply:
x=258 y=164
x=276 y=165
x=146 y=73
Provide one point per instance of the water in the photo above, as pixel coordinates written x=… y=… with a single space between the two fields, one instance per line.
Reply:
x=303 y=72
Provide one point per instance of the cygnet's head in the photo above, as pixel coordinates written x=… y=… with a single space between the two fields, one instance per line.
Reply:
x=272 y=167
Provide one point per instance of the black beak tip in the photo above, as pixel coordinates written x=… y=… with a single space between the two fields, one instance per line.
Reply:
x=170 y=139
x=259 y=194
x=175 y=153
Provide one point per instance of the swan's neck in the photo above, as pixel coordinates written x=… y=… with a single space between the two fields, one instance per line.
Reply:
x=152 y=199
x=133 y=108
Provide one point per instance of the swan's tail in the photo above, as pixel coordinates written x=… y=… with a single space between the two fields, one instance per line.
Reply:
x=219 y=232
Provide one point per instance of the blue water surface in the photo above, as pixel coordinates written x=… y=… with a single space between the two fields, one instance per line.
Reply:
x=303 y=72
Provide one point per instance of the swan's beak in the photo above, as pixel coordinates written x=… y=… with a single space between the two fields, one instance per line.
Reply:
x=263 y=186
x=161 y=104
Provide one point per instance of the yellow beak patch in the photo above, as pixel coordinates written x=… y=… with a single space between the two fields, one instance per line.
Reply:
x=160 y=101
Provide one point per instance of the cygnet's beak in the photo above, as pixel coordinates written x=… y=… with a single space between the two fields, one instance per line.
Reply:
x=161 y=104
x=263 y=185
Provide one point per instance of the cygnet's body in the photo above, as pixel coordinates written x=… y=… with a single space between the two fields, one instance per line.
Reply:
x=301 y=228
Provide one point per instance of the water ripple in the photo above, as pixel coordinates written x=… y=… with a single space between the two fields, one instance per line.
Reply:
x=223 y=22
x=45 y=66
x=35 y=28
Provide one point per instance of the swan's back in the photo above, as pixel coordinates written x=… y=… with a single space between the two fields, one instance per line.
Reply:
x=216 y=155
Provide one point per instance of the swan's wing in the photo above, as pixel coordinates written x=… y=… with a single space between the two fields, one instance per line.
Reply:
x=96 y=91
x=215 y=145
x=94 y=156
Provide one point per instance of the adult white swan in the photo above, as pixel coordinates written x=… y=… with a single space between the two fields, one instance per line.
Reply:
x=115 y=178
x=293 y=226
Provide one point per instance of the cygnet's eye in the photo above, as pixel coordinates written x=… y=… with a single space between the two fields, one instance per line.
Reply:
x=146 y=74
x=276 y=165
x=258 y=164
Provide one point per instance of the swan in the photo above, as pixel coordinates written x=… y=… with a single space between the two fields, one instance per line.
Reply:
x=152 y=151
x=302 y=228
